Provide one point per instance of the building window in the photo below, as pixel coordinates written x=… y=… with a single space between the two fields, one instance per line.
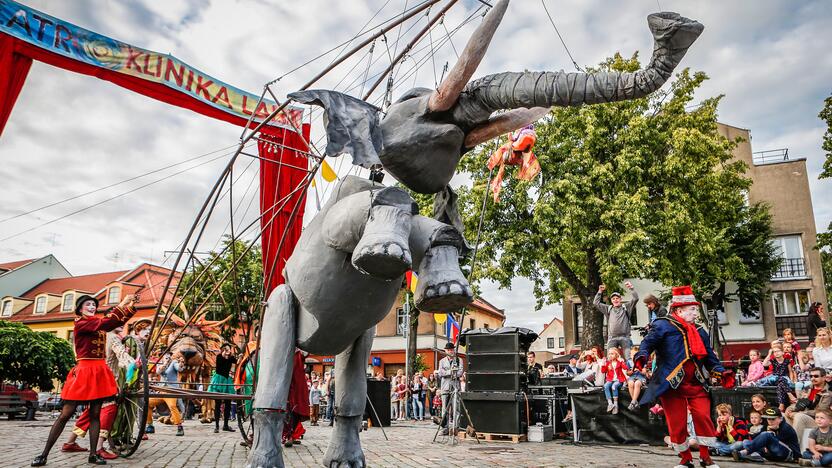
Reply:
x=114 y=295
x=550 y=343
x=485 y=325
x=40 y=305
x=70 y=336
x=401 y=321
x=561 y=342
x=472 y=324
x=790 y=250
x=69 y=302
x=790 y=311
x=7 y=308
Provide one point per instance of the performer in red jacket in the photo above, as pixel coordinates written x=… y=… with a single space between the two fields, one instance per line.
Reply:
x=685 y=367
x=90 y=382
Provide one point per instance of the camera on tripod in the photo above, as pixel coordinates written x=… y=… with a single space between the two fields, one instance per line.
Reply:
x=643 y=331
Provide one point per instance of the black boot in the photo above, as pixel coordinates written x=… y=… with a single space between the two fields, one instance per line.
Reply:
x=39 y=460
x=96 y=459
x=227 y=428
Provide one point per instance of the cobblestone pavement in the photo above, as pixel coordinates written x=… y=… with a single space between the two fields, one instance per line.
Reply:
x=409 y=446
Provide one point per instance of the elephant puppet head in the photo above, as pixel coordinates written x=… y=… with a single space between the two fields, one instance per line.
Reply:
x=197 y=343
x=423 y=135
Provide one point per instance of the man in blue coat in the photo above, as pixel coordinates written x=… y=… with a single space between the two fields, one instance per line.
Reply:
x=685 y=363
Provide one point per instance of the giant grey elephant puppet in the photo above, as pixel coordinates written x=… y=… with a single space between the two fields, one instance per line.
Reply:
x=348 y=265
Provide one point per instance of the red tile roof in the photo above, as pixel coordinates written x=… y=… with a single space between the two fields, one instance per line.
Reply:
x=150 y=278
x=486 y=306
x=14 y=265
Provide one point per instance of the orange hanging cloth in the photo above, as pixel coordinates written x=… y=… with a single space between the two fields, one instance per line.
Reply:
x=517 y=151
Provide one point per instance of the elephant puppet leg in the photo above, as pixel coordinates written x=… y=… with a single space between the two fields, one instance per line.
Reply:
x=383 y=250
x=277 y=348
x=350 y=401
x=442 y=287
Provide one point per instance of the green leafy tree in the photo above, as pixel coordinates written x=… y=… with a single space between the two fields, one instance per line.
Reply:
x=240 y=291
x=643 y=188
x=825 y=239
x=33 y=358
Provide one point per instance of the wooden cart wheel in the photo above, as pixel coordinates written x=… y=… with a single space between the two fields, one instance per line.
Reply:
x=133 y=401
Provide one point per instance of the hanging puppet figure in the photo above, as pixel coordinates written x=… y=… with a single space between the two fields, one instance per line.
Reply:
x=517 y=151
x=686 y=365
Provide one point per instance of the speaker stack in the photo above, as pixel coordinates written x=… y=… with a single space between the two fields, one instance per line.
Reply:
x=496 y=385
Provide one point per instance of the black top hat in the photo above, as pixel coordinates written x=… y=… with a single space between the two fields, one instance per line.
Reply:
x=449 y=345
x=81 y=300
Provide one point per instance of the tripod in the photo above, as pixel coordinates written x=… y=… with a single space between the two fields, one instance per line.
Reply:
x=451 y=411
x=717 y=335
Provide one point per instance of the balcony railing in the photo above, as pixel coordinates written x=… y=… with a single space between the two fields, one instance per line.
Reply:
x=770 y=156
x=791 y=268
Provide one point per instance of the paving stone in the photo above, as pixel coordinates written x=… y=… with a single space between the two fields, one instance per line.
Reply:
x=410 y=445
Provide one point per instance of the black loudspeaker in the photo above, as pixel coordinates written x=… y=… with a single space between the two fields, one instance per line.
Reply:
x=502 y=340
x=378 y=392
x=496 y=362
x=496 y=412
x=495 y=381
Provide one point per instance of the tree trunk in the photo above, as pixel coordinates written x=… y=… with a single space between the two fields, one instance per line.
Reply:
x=412 y=334
x=593 y=332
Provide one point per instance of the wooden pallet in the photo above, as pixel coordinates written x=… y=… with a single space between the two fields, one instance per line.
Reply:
x=493 y=437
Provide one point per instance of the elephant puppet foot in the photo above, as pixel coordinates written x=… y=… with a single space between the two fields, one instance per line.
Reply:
x=441 y=286
x=383 y=251
x=673 y=31
x=344 y=449
x=266 y=451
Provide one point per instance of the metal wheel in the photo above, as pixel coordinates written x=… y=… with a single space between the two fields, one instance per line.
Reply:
x=244 y=420
x=132 y=411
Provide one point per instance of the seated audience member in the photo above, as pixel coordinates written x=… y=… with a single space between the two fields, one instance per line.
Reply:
x=759 y=402
x=755 y=424
x=788 y=338
x=589 y=367
x=635 y=384
x=777 y=443
x=755 y=369
x=550 y=370
x=730 y=431
x=803 y=383
x=822 y=353
x=801 y=414
x=782 y=373
x=572 y=369
x=613 y=368
x=819 y=452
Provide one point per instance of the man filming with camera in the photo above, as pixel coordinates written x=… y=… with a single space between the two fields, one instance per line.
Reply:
x=450 y=370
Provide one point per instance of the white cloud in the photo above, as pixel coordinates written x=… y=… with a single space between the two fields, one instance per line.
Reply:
x=70 y=133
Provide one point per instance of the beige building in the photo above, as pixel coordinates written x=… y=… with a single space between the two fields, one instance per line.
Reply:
x=782 y=182
x=551 y=342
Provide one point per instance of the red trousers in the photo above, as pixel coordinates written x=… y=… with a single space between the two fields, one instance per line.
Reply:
x=691 y=397
x=107 y=417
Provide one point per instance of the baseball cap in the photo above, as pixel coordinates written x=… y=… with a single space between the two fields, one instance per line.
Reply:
x=771 y=413
x=615 y=294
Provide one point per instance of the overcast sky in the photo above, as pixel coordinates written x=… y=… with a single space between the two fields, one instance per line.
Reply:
x=69 y=133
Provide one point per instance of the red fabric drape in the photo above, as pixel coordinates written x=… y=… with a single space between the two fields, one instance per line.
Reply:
x=277 y=181
x=13 y=70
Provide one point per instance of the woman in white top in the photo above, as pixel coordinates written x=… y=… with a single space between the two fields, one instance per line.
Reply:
x=823 y=349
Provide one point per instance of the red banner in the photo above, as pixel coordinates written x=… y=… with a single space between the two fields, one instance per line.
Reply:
x=283 y=168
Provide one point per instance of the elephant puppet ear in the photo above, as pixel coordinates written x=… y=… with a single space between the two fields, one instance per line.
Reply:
x=501 y=124
x=352 y=125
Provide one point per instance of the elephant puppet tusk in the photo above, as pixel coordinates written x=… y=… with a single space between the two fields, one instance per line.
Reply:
x=503 y=123
x=448 y=92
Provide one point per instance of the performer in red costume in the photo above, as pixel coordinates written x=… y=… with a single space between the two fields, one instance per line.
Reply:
x=298 y=407
x=90 y=382
x=684 y=364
